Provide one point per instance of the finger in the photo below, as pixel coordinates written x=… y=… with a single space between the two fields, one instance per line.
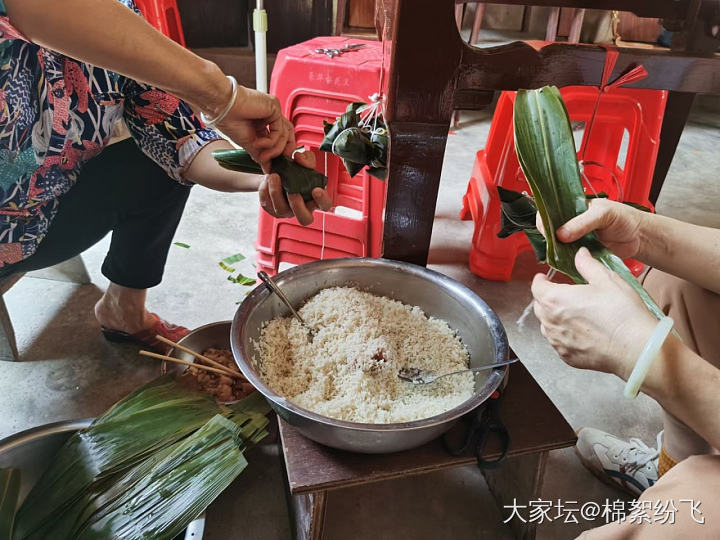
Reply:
x=299 y=208
x=541 y=287
x=592 y=270
x=543 y=331
x=276 y=149
x=598 y=216
x=265 y=202
x=322 y=199
x=277 y=196
x=291 y=143
x=306 y=159
x=539 y=311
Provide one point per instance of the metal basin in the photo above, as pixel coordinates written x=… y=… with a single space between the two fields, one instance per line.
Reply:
x=438 y=295
x=33 y=450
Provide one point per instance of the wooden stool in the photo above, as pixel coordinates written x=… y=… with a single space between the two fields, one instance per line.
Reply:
x=72 y=270
x=535 y=425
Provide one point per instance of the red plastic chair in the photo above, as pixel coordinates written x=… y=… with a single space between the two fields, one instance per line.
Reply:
x=619 y=160
x=163 y=15
x=313 y=87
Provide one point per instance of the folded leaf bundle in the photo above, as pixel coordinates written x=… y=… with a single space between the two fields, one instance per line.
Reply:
x=145 y=469
x=547 y=155
x=295 y=178
x=357 y=145
x=350 y=118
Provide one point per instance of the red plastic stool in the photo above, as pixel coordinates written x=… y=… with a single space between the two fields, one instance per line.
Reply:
x=313 y=87
x=626 y=119
x=163 y=15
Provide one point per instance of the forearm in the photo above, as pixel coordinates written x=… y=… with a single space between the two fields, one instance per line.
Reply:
x=106 y=34
x=205 y=171
x=688 y=387
x=681 y=249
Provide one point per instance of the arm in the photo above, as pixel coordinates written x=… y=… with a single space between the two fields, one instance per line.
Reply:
x=688 y=387
x=130 y=46
x=684 y=250
x=205 y=171
x=106 y=34
x=604 y=326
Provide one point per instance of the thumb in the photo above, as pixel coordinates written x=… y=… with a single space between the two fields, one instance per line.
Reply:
x=592 y=270
x=306 y=158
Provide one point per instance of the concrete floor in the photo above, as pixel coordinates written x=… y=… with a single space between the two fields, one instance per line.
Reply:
x=69 y=371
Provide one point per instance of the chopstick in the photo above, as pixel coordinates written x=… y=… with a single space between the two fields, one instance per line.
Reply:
x=197 y=355
x=225 y=371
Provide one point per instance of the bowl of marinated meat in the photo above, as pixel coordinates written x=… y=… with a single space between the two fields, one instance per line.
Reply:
x=213 y=342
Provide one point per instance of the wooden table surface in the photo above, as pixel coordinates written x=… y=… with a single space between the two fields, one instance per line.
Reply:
x=534 y=423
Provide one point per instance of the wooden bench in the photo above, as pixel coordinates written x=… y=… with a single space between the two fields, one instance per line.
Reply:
x=535 y=425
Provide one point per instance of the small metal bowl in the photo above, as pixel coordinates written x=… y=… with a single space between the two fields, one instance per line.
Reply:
x=438 y=295
x=215 y=335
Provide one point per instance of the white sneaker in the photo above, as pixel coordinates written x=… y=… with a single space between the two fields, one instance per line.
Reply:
x=630 y=465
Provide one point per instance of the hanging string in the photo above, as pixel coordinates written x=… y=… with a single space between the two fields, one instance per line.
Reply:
x=636 y=74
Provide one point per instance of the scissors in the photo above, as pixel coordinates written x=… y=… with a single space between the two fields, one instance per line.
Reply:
x=485 y=422
x=332 y=53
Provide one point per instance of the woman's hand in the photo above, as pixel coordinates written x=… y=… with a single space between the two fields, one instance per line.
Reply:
x=601 y=326
x=256 y=123
x=618 y=226
x=274 y=202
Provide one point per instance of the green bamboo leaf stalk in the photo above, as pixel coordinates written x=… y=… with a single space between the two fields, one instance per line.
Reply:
x=547 y=155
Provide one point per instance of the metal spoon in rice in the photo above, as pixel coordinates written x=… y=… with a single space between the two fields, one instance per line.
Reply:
x=422 y=376
x=267 y=280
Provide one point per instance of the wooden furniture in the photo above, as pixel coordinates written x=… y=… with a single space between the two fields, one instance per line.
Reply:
x=535 y=426
x=431 y=77
x=574 y=16
x=356 y=18
x=72 y=270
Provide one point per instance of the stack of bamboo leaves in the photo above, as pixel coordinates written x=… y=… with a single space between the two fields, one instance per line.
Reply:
x=145 y=469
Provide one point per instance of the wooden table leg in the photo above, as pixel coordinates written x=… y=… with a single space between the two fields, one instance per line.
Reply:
x=308 y=510
x=415 y=165
x=519 y=480
x=677 y=110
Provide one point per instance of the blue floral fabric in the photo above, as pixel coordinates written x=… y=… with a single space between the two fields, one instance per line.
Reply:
x=56 y=113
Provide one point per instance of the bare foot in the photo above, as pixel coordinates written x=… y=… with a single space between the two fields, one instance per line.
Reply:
x=123 y=309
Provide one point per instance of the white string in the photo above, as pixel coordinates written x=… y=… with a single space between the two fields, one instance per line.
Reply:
x=322 y=245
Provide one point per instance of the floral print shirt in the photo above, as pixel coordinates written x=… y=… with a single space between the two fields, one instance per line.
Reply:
x=55 y=114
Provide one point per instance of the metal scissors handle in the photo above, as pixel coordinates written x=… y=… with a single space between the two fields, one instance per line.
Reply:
x=485 y=423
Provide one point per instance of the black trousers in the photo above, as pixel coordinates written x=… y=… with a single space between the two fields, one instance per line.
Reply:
x=123 y=191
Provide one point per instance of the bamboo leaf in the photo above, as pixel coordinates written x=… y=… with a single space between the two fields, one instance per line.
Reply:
x=295 y=178
x=157 y=495
x=547 y=155
x=145 y=422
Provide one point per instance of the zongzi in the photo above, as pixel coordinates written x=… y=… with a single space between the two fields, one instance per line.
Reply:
x=547 y=155
x=295 y=178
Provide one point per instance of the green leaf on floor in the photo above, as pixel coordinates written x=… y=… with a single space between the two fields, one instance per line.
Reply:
x=242 y=280
x=181 y=244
